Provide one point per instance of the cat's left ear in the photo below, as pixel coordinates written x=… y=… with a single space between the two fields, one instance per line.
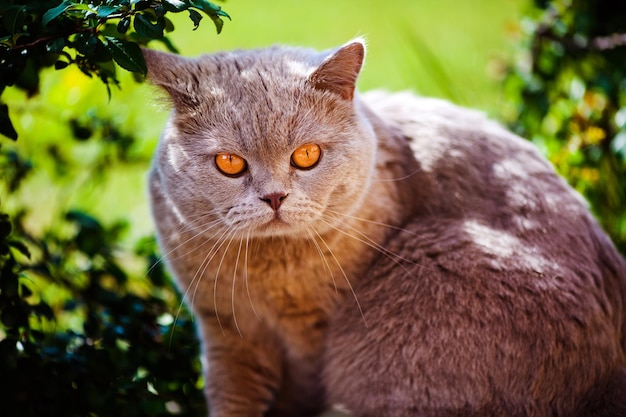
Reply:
x=173 y=73
x=339 y=71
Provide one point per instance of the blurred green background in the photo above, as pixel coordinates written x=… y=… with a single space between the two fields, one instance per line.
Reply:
x=444 y=48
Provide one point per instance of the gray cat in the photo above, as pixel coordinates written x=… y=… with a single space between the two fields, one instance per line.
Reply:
x=395 y=255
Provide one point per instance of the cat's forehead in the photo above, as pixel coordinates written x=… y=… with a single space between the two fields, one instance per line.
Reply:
x=276 y=62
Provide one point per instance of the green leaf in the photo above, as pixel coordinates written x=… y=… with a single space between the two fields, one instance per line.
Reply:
x=106 y=11
x=218 y=22
x=13 y=18
x=212 y=10
x=60 y=65
x=169 y=26
x=195 y=18
x=175 y=5
x=86 y=43
x=127 y=55
x=55 y=45
x=55 y=12
x=6 y=127
x=21 y=248
x=146 y=28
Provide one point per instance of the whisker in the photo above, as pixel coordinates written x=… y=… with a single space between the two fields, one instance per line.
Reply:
x=245 y=268
x=344 y=275
x=417 y=171
x=217 y=273
x=321 y=253
x=366 y=240
x=232 y=293
x=197 y=277
x=204 y=229
x=389 y=226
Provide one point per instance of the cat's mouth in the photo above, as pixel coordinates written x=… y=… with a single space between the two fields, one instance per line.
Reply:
x=276 y=226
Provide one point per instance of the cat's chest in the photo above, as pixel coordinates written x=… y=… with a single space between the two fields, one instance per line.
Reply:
x=294 y=292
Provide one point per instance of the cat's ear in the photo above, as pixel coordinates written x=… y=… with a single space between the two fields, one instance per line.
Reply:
x=175 y=74
x=339 y=71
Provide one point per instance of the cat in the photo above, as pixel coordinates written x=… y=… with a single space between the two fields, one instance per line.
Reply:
x=395 y=255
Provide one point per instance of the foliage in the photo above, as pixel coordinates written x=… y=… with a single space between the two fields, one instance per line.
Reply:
x=92 y=34
x=87 y=328
x=570 y=92
x=82 y=330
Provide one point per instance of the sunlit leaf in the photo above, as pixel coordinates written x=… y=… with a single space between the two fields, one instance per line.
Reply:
x=55 y=12
x=106 y=11
x=127 y=55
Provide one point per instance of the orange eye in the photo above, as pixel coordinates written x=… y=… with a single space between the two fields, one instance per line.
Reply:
x=230 y=164
x=306 y=156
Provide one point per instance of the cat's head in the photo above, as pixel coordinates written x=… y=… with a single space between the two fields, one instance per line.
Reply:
x=264 y=142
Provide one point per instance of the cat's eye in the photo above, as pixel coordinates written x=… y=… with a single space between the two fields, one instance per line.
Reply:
x=230 y=164
x=306 y=156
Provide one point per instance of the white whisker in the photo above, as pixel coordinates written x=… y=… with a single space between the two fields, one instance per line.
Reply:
x=204 y=229
x=245 y=268
x=366 y=240
x=217 y=273
x=344 y=275
x=232 y=293
x=321 y=252
x=417 y=171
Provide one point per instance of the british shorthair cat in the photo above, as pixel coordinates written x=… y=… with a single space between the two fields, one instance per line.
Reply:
x=396 y=255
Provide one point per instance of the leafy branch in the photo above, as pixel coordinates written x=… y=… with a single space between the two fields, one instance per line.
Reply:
x=94 y=35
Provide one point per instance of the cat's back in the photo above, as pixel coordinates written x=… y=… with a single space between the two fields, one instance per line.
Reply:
x=494 y=185
x=502 y=291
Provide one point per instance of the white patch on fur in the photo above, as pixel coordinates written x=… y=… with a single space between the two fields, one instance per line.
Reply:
x=177 y=156
x=298 y=68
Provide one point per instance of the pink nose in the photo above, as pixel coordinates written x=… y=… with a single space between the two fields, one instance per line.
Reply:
x=274 y=200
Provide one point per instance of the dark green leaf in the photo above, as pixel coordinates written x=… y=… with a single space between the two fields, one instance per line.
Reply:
x=6 y=127
x=55 y=45
x=141 y=5
x=55 y=12
x=60 y=65
x=127 y=55
x=195 y=18
x=146 y=28
x=13 y=19
x=212 y=10
x=86 y=43
x=169 y=26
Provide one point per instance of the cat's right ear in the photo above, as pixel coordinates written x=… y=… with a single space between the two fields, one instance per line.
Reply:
x=175 y=74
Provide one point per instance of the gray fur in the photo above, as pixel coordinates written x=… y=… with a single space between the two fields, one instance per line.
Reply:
x=431 y=264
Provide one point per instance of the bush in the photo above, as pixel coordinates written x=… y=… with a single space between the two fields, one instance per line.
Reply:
x=90 y=34
x=85 y=328
x=569 y=88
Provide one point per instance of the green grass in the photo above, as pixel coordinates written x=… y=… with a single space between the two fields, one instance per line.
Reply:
x=443 y=48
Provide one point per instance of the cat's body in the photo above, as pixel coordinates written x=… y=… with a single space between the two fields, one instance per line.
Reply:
x=428 y=264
